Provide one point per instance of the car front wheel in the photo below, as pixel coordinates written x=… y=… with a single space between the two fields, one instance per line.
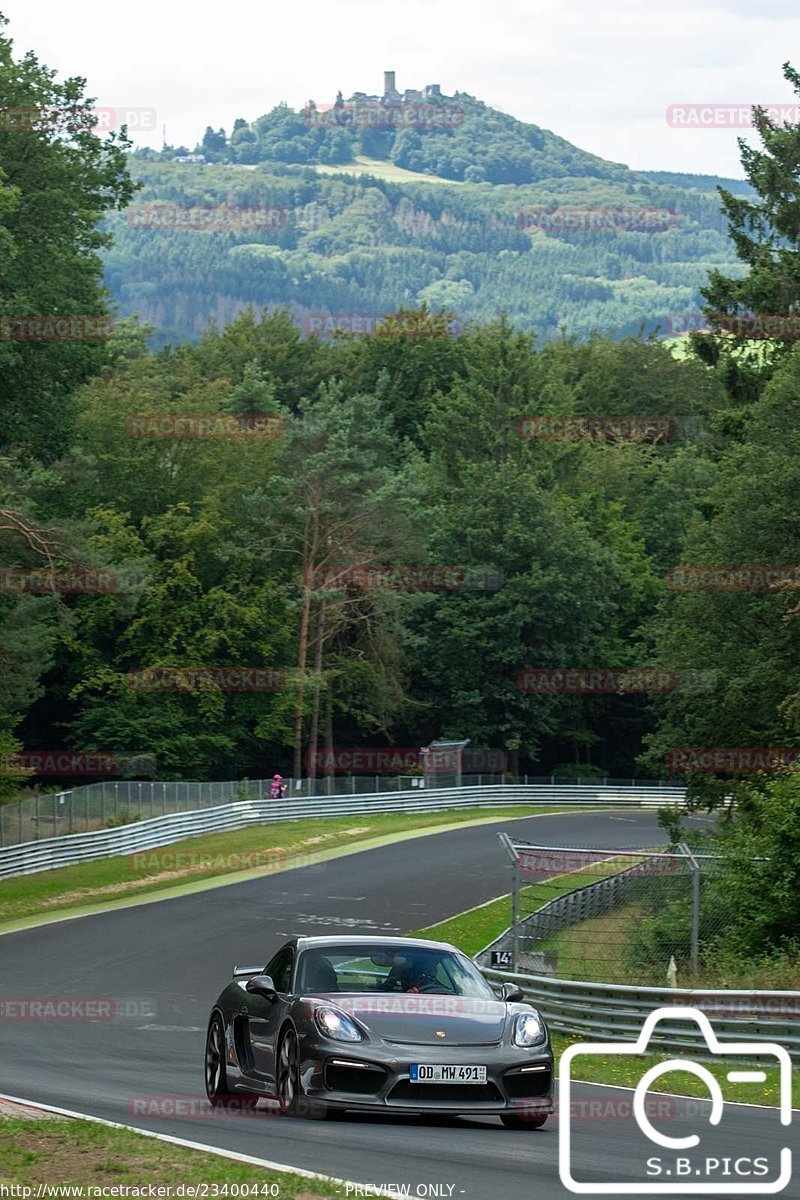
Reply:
x=292 y=1101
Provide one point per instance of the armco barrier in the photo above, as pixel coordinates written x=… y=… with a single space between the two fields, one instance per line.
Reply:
x=27 y=858
x=616 y=1012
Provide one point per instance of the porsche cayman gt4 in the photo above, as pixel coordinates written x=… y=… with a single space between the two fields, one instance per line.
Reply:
x=332 y=1024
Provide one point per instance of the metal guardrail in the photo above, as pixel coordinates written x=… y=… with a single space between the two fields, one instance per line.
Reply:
x=109 y=801
x=616 y=1012
x=31 y=857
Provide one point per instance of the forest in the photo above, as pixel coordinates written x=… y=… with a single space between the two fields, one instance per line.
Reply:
x=400 y=530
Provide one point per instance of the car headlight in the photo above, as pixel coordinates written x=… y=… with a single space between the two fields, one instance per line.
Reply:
x=529 y=1029
x=337 y=1025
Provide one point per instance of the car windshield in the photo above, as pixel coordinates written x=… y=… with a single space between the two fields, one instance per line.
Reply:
x=386 y=968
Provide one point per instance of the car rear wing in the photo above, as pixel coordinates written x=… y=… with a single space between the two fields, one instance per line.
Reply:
x=247 y=972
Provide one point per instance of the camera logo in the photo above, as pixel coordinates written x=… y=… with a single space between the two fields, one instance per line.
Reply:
x=676 y=1170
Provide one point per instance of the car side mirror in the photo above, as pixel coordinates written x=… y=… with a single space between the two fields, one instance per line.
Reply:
x=510 y=991
x=261 y=985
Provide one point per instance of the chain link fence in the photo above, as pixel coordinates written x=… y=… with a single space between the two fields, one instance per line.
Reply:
x=615 y=916
x=110 y=802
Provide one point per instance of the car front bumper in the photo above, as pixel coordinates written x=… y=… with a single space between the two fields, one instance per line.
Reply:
x=376 y=1076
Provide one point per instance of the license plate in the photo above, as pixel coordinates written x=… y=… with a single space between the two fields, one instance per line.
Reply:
x=442 y=1073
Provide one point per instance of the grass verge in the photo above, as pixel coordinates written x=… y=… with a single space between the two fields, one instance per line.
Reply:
x=90 y=1156
x=257 y=850
x=474 y=929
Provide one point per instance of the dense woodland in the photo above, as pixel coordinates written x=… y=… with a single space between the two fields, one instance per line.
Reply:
x=465 y=232
x=395 y=450
x=368 y=245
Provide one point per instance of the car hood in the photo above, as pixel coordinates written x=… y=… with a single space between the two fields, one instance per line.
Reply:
x=425 y=1020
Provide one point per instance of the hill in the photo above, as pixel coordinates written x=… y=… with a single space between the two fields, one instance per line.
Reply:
x=367 y=219
x=454 y=137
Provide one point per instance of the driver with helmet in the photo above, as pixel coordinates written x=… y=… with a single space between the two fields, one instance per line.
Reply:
x=412 y=975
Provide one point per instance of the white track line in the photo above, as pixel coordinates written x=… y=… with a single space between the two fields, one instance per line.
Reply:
x=620 y=1087
x=176 y=1141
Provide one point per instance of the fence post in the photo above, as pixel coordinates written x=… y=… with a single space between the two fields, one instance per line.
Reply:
x=694 y=947
x=515 y=919
x=36 y=815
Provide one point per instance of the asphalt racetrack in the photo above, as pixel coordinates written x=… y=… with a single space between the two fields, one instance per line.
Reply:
x=165 y=962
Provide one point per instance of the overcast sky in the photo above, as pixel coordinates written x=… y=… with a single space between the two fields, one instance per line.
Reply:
x=601 y=75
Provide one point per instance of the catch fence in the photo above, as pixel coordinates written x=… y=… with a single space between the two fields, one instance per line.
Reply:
x=625 y=916
x=109 y=803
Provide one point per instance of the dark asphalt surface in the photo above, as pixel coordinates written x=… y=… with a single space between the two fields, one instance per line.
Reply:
x=165 y=962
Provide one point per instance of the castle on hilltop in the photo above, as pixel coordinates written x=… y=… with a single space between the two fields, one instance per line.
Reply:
x=391 y=96
x=412 y=109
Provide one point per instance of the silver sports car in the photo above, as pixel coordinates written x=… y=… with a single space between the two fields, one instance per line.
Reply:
x=378 y=1024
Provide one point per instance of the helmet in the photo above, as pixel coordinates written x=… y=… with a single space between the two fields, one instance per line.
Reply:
x=277 y=777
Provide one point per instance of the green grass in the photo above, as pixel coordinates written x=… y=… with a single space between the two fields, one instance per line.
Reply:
x=381 y=170
x=269 y=847
x=84 y=1153
x=474 y=929
x=594 y=949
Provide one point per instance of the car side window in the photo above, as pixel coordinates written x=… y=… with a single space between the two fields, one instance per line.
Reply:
x=280 y=968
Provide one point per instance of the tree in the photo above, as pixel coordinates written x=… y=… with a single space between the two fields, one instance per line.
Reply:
x=766 y=230
x=334 y=506
x=214 y=144
x=746 y=633
x=59 y=180
x=557 y=591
